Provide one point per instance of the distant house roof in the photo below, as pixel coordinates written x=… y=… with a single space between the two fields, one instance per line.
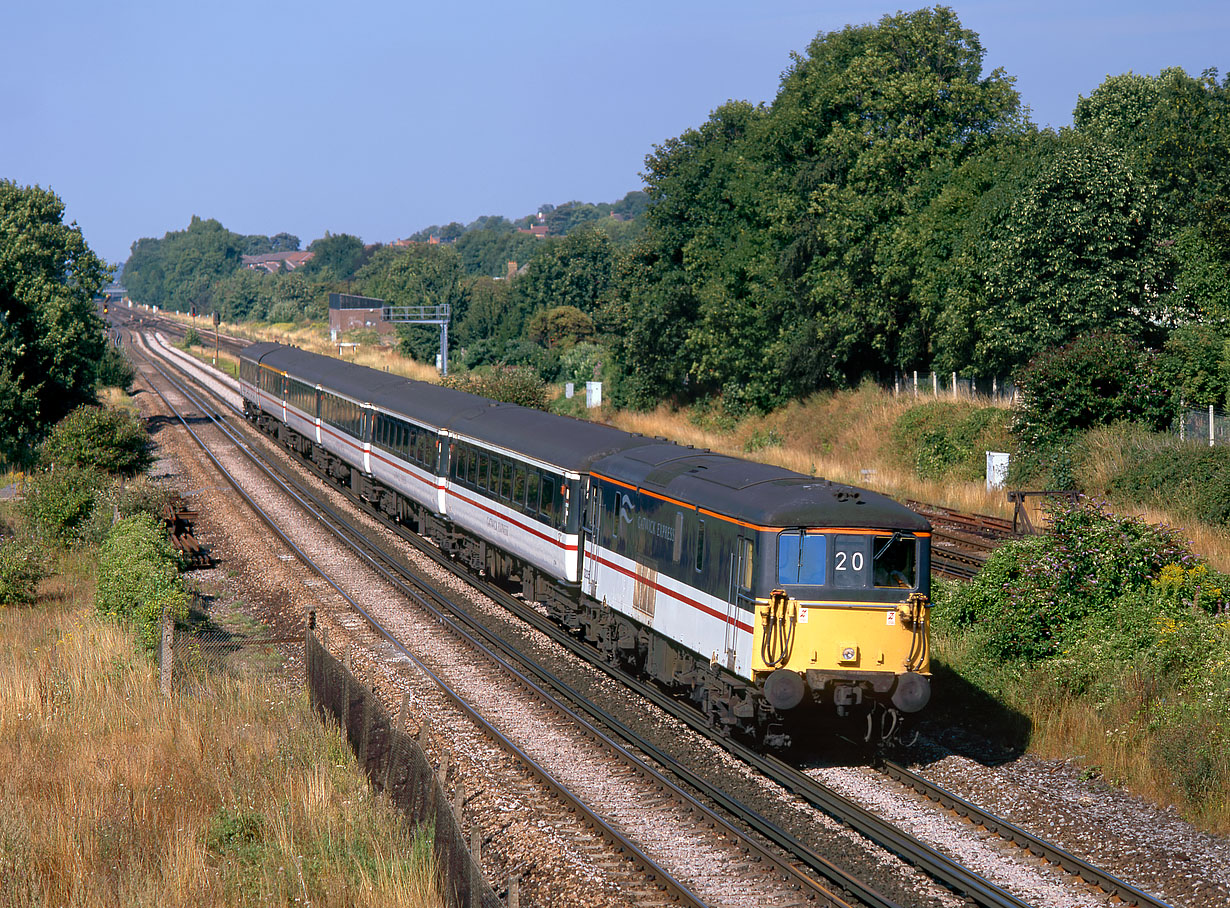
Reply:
x=535 y=229
x=273 y=261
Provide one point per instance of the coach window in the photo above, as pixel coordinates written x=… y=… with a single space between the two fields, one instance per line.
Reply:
x=547 y=507
x=531 y=492
x=801 y=558
x=700 y=544
x=519 y=488
x=482 y=471
x=506 y=480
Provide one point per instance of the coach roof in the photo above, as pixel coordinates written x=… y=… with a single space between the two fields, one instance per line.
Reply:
x=571 y=444
x=428 y=403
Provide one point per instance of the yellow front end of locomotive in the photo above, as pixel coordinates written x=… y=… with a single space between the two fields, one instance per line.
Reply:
x=835 y=640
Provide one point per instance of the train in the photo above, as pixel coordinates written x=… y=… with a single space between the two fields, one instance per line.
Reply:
x=775 y=602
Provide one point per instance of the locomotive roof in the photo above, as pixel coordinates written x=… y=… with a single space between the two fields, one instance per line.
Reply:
x=762 y=494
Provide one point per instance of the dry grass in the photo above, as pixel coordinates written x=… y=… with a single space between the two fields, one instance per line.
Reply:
x=114 y=795
x=843 y=436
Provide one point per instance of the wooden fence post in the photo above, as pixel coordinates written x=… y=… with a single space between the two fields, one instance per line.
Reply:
x=167 y=661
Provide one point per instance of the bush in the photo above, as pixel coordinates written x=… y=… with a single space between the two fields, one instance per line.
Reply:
x=1034 y=593
x=191 y=339
x=111 y=441
x=21 y=568
x=1194 y=361
x=1110 y=620
x=1095 y=380
x=1186 y=479
x=139 y=578
x=114 y=369
x=59 y=502
x=949 y=440
x=519 y=385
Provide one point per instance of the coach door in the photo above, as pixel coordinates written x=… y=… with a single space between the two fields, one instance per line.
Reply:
x=739 y=597
x=367 y=418
x=589 y=544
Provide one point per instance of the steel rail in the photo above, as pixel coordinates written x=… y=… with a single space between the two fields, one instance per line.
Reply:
x=393 y=572
x=1106 y=882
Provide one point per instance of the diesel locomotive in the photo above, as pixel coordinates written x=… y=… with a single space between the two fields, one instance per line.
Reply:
x=774 y=601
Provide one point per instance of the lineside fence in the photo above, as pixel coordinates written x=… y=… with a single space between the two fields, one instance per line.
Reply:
x=394 y=762
x=1204 y=425
x=399 y=767
x=952 y=386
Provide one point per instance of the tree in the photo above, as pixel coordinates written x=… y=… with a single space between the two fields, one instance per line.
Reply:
x=1075 y=255
x=336 y=256
x=417 y=276
x=560 y=326
x=51 y=340
x=773 y=229
x=575 y=271
x=180 y=270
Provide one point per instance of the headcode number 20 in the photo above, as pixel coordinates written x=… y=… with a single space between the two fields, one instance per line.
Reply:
x=856 y=561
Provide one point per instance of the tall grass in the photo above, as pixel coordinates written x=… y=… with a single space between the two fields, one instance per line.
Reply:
x=113 y=794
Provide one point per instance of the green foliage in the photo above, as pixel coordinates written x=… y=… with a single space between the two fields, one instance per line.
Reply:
x=560 y=326
x=519 y=385
x=191 y=339
x=51 y=339
x=1075 y=253
x=139 y=579
x=180 y=270
x=573 y=273
x=112 y=441
x=583 y=362
x=336 y=256
x=764 y=271
x=948 y=440
x=59 y=503
x=22 y=566
x=1115 y=617
x=1195 y=362
x=1097 y=379
x=114 y=369
x=1035 y=595
x=1189 y=480
x=237 y=835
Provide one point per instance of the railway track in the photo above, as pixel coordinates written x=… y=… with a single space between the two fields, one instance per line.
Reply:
x=790 y=881
x=1039 y=847
x=962 y=542
x=953 y=875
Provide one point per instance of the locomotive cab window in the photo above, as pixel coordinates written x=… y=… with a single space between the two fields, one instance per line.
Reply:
x=802 y=558
x=895 y=561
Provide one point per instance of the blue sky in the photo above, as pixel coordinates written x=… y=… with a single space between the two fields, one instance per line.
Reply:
x=380 y=118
